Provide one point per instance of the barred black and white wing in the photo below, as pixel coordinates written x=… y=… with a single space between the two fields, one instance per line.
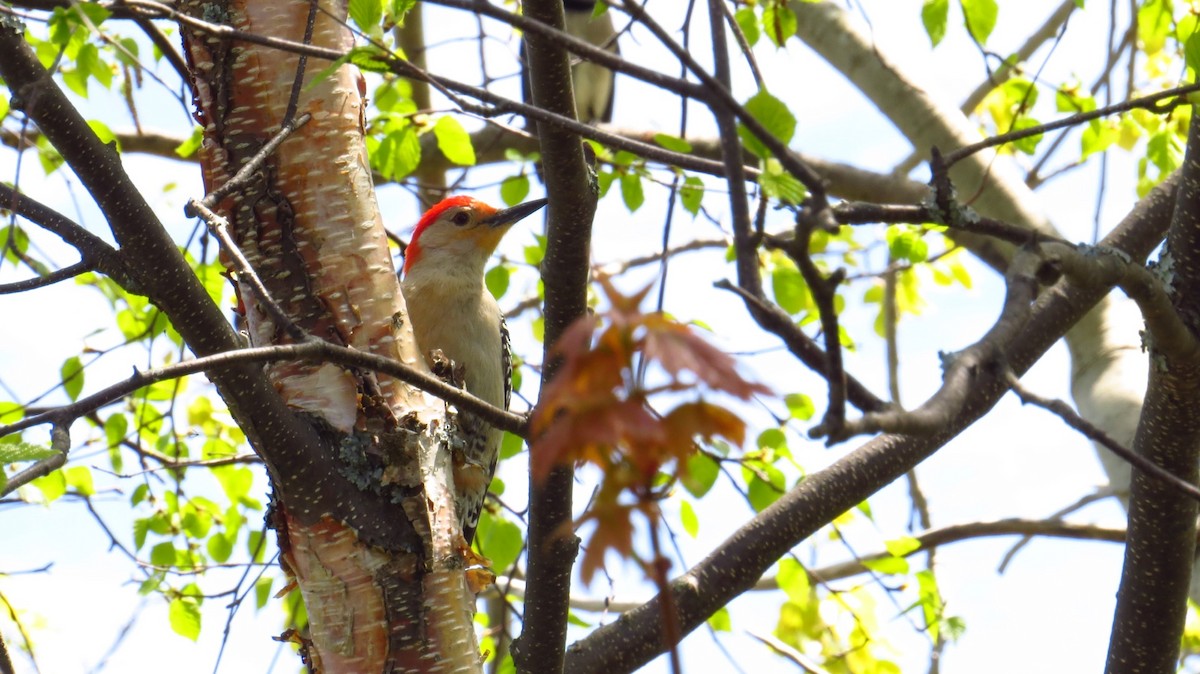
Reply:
x=506 y=365
x=482 y=451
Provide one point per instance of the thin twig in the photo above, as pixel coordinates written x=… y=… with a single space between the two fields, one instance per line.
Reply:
x=787 y=652
x=53 y=277
x=1088 y=499
x=219 y=226
x=92 y=249
x=963 y=370
x=313 y=350
x=717 y=87
x=773 y=319
x=60 y=442
x=1151 y=103
x=1091 y=432
x=824 y=293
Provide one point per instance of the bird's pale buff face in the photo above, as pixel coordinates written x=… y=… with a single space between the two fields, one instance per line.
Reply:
x=459 y=231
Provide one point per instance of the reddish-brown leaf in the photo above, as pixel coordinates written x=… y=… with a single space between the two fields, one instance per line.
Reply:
x=678 y=349
x=592 y=432
x=701 y=419
x=614 y=531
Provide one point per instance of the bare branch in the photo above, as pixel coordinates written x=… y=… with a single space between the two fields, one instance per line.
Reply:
x=1154 y=103
x=737 y=563
x=1068 y=415
x=773 y=319
x=60 y=442
x=70 y=271
x=312 y=350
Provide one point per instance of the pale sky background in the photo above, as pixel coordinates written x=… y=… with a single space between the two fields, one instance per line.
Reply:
x=1050 y=612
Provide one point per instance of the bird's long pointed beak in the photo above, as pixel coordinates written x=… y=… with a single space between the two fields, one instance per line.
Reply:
x=508 y=216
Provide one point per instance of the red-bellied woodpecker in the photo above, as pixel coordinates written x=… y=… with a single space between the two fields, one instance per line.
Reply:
x=451 y=310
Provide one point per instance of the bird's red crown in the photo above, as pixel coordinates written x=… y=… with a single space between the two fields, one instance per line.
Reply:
x=413 y=252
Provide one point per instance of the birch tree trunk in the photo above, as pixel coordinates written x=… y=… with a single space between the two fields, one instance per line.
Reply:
x=366 y=527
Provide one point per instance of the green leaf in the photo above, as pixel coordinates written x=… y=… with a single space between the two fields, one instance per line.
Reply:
x=496 y=487
x=1154 y=24
x=327 y=72
x=262 y=591
x=126 y=50
x=720 y=621
x=673 y=143
x=163 y=555
x=794 y=581
x=774 y=117
x=980 y=17
x=94 y=11
x=196 y=523
x=535 y=254
x=930 y=601
x=762 y=493
x=790 y=290
x=454 y=141
x=256 y=545
x=188 y=147
x=163 y=390
x=1098 y=135
x=747 y=20
x=115 y=428
x=219 y=547
x=499 y=540
x=1191 y=54
x=887 y=565
x=366 y=13
x=510 y=446
x=90 y=62
x=235 y=480
x=779 y=22
x=514 y=189
x=800 y=406
x=141 y=527
x=24 y=451
x=902 y=546
x=52 y=486
x=184 y=615
x=399 y=153
x=631 y=191
x=906 y=243
x=72 y=377
x=14 y=241
x=687 y=516
x=701 y=474
x=496 y=280
x=780 y=184
x=80 y=478
x=1026 y=145
x=772 y=438
x=691 y=194
x=933 y=15
x=370 y=58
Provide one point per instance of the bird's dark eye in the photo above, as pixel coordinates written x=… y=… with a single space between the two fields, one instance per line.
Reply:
x=461 y=218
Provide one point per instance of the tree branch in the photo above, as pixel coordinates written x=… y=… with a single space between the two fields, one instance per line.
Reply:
x=70 y=271
x=1159 y=557
x=313 y=350
x=552 y=547
x=737 y=563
